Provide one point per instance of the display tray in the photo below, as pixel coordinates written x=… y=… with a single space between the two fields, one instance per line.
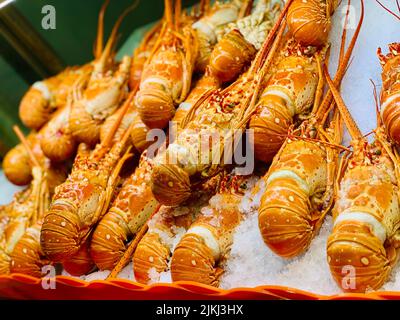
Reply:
x=379 y=29
x=20 y=286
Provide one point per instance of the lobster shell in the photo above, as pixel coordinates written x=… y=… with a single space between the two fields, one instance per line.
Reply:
x=230 y=55
x=150 y=253
x=308 y=21
x=81 y=263
x=27 y=256
x=285 y=214
x=57 y=142
x=17 y=167
x=390 y=94
x=170 y=184
x=367 y=191
x=289 y=92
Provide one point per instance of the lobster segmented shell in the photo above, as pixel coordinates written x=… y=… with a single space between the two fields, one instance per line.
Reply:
x=289 y=92
x=133 y=206
x=153 y=253
x=17 y=167
x=166 y=77
x=81 y=201
x=390 y=94
x=294 y=189
x=27 y=256
x=309 y=20
x=141 y=55
x=100 y=99
x=37 y=104
x=208 y=28
x=154 y=250
x=230 y=55
x=80 y=263
x=57 y=142
x=200 y=253
x=367 y=215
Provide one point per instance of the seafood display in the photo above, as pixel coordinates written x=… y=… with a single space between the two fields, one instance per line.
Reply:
x=366 y=213
x=224 y=117
x=218 y=119
x=299 y=184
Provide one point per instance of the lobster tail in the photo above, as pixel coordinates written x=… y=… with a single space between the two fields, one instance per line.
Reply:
x=17 y=167
x=59 y=237
x=83 y=126
x=81 y=263
x=109 y=240
x=229 y=57
x=309 y=22
x=270 y=124
x=35 y=108
x=289 y=93
x=4 y=262
x=139 y=135
x=156 y=107
x=150 y=254
x=284 y=220
x=100 y=99
x=357 y=259
x=133 y=206
x=58 y=147
x=292 y=202
x=390 y=97
x=170 y=184
x=27 y=256
x=194 y=260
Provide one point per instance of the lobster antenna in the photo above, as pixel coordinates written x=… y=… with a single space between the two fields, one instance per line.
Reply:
x=100 y=31
x=22 y=138
x=390 y=11
x=204 y=7
x=271 y=53
x=113 y=36
x=129 y=252
x=108 y=140
x=169 y=16
x=377 y=109
x=344 y=32
x=343 y=65
x=348 y=119
x=326 y=143
x=323 y=115
x=178 y=13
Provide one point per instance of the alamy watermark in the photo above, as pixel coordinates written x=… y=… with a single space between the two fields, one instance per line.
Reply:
x=49 y=278
x=349 y=277
x=49 y=17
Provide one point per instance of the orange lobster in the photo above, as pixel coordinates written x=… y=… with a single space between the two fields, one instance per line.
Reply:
x=309 y=20
x=200 y=254
x=20 y=251
x=362 y=248
x=299 y=183
x=166 y=77
x=190 y=158
x=106 y=88
x=45 y=97
x=81 y=201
